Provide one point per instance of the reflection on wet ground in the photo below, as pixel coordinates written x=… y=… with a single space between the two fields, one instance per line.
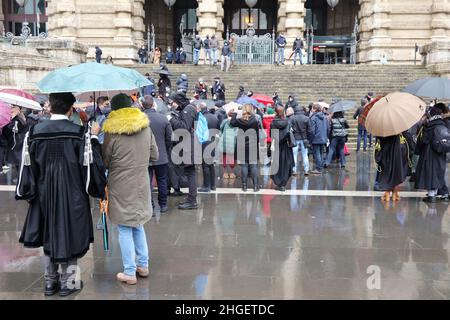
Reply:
x=270 y=246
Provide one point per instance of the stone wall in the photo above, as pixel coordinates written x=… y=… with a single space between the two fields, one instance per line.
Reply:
x=2 y=18
x=436 y=57
x=23 y=66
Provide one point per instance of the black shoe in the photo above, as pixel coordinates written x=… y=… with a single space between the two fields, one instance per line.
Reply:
x=66 y=291
x=282 y=189
x=256 y=189
x=206 y=190
x=213 y=189
x=244 y=187
x=429 y=199
x=443 y=198
x=51 y=288
x=377 y=188
x=177 y=193
x=188 y=206
x=163 y=209
x=342 y=167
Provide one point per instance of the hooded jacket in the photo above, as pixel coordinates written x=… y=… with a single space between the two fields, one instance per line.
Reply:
x=128 y=149
x=319 y=129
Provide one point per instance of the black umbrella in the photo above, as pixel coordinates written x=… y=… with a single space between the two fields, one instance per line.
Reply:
x=162 y=70
x=342 y=105
x=431 y=87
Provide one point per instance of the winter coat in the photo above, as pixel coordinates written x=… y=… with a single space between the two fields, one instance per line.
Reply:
x=251 y=140
x=319 y=129
x=301 y=126
x=185 y=120
x=14 y=135
x=213 y=124
x=163 y=84
x=218 y=90
x=206 y=43
x=357 y=114
x=214 y=43
x=182 y=83
x=197 y=44
x=162 y=131
x=226 y=51
x=170 y=57
x=339 y=127
x=128 y=150
x=59 y=216
x=267 y=121
x=291 y=104
x=202 y=91
x=142 y=53
x=430 y=170
x=221 y=115
x=228 y=138
x=298 y=45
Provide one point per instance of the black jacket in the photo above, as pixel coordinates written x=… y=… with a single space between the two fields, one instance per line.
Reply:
x=357 y=114
x=185 y=119
x=250 y=154
x=163 y=83
x=218 y=90
x=432 y=146
x=162 y=130
x=301 y=125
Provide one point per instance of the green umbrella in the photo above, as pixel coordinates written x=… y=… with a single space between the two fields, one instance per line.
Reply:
x=92 y=76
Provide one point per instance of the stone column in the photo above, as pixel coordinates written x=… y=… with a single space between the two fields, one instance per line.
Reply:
x=294 y=22
x=63 y=18
x=375 y=23
x=2 y=19
x=440 y=20
x=124 y=45
x=138 y=22
x=210 y=16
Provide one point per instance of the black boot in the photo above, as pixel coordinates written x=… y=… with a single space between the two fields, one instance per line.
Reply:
x=244 y=187
x=51 y=287
x=429 y=199
x=66 y=291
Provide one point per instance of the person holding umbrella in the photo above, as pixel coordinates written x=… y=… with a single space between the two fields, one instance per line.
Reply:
x=128 y=149
x=432 y=146
x=164 y=84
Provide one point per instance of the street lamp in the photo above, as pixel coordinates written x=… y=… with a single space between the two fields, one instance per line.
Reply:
x=333 y=3
x=170 y=3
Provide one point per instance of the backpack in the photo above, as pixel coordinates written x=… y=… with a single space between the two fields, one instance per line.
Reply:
x=202 y=132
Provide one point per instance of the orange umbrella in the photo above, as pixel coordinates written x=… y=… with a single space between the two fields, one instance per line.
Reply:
x=394 y=113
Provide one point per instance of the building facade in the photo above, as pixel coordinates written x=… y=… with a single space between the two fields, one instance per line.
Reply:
x=388 y=29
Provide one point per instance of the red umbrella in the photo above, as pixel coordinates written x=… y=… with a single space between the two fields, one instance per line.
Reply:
x=5 y=115
x=264 y=99
x=19 y=93
x=362 y=117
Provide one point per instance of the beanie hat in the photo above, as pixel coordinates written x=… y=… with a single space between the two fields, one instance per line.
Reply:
x=270 y=111
x=120 y=101
x=437 y=109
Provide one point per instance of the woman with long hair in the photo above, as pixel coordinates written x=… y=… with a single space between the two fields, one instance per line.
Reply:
x=284 y=156
x=247 y=153
x=338 y=133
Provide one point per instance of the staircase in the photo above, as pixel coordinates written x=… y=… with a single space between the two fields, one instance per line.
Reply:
x=308 y=83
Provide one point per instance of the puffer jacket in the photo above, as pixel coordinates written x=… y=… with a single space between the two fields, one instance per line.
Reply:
x=339 y=127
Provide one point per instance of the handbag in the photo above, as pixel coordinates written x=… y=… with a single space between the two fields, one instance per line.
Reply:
x=291 y=142
x=95 y=170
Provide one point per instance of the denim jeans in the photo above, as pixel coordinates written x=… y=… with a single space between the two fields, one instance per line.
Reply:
x=196 y=55
x=337 y=145
x=304 y=151
x=318 y=156
x=142 y=60
x=299 y=54
x=133 y=245
x=280 y=55
x=362 y=134
x=253 y=171
x=214 y=55
x=208 y=55
x=225 y=60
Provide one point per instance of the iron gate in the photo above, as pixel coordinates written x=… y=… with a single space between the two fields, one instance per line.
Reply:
x=252 y=49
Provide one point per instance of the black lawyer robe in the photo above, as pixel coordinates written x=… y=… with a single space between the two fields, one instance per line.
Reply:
x=286 y=155
x=59 y=215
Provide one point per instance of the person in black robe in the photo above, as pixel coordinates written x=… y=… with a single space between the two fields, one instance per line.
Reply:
x=432 y=146
x=285 y=154
x=392 y=157
x=14 y=134
x=55 y=170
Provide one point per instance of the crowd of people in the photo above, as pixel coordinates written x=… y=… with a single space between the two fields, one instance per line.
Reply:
x=155 y=136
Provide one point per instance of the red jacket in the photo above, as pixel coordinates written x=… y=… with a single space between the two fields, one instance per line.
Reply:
x=267 y=120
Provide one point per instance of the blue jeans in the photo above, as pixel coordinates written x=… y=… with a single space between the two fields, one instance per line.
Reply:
x=318 y=156
x=196 y=55
x=280 y=55
x=214 y=55
x=299 y=54
x=304 y=151
x=337 y=145
x=142 y=60
x=362 y=134
x=208 y=56
x=133 y=245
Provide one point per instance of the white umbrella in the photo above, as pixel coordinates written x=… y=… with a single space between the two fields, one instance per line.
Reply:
x=231 y=106
x=20 y=101
x=323 y=104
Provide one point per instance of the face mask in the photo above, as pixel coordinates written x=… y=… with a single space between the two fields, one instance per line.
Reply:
x=290 y=99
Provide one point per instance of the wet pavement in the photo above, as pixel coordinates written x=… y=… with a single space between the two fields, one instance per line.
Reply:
x=313 y=243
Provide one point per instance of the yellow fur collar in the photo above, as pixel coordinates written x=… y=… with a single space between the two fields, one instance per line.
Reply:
x=126 y=121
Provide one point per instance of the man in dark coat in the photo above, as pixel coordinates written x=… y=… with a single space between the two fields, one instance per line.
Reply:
x=13 y=135
x=241 y=92
x=98 y=54
x=209 y=173
x=164 y=84
x=143 y=54
x=162 y=130
x=218 y=90
x=183 y=118
x=319 y=136
x=432 y=147
x=301 y=126
x=59 y=216
x=292 y=103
